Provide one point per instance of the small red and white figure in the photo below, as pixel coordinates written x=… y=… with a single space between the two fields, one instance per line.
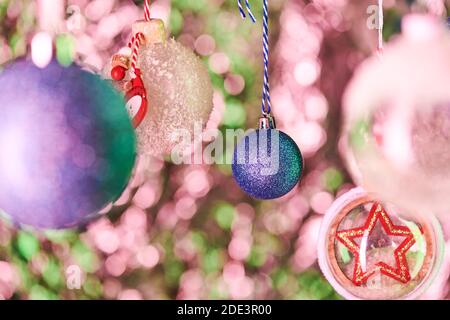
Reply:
x=145 y=31
x=134 y=89
x=136 y=97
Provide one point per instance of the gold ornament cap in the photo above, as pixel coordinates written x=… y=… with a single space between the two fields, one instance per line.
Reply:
x=154 y=30
x=120 y=60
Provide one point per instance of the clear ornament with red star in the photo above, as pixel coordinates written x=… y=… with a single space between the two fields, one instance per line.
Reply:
x=370 y=250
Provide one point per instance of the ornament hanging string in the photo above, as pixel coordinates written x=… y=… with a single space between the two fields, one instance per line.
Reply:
x=380 y=27
x=249 y=10
x=266 y=105
x=250 y=176
x=147 y=10
x=137 y=40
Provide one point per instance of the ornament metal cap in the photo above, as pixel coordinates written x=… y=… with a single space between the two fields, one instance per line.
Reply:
x=120 y=60
x=267 y=122
x=154 y=30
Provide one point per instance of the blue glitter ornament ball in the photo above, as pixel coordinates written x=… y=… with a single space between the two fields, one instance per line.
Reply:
x=267 y=164
x=67 y=146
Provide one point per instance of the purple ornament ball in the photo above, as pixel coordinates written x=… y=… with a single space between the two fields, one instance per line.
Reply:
x=67 y=145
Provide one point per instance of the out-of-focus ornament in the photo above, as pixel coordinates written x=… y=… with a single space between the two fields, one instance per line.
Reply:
x=369 y=250
x=67 y=144
x=396 y=137
x=168 y=89
x=267 y=163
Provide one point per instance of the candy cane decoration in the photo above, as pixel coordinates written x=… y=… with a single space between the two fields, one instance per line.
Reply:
x=137 y=40
x=131 y=43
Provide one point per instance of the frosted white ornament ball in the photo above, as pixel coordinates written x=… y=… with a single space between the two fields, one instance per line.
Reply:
x=180 y=97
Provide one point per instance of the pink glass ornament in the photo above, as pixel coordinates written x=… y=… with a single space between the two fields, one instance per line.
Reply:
x=396 y=138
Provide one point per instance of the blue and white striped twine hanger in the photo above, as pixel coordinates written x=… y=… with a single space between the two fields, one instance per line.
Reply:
x=266 y=102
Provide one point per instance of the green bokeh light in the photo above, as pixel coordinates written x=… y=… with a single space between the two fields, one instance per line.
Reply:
x=224 y=214
x=65 y=49
x=27 y=245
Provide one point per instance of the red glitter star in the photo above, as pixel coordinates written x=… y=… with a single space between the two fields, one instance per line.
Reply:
x=401 y=271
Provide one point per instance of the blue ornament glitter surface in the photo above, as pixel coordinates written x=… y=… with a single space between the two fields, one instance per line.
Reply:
x=267 y=164
x=67 y=144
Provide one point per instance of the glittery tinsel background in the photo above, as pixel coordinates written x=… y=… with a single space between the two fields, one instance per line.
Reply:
x=188 y=231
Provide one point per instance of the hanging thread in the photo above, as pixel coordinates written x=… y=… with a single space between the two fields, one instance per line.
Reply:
x=147 y=10
x=249 y=10
x=266 y=106
x=380 y=26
